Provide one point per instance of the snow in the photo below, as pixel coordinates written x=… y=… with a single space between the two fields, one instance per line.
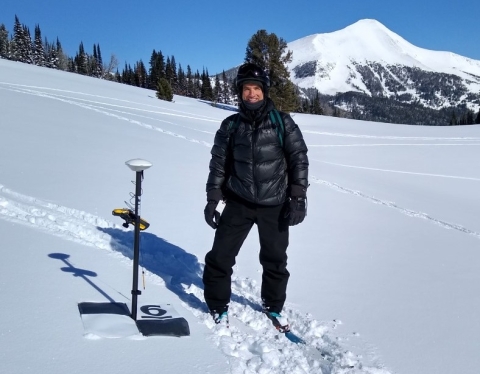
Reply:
x=384 y=270
x=368 y=40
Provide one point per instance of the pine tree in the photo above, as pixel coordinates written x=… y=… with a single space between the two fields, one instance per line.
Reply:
x=197 y=87
x=28 y=46
x=100 y=71
x=81 y=61
x=50 y=53
x=269 y=52
x=470 y=117
x=225 y=89
x=71 y=66
x=17 y=41
x=217 y=90
x=62 y=58
x=453 y=119
x=182 y=82
x=174 y=80
x=169 y=72
x=21 y=45
x=38 y=50
x=316 y=108
x=4 y=44
x=140 y=74
x=206 y=92
x=190 y=82
x=93 y=63
x=164 y=90
x=477 y=119
x=157 y=68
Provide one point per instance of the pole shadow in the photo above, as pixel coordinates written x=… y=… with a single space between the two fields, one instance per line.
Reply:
x=80 y=273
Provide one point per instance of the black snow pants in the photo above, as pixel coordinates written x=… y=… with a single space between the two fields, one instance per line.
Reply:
x=235 y=223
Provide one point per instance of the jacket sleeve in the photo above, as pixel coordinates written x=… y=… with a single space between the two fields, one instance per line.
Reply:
x=218 y=162
x=296 y=155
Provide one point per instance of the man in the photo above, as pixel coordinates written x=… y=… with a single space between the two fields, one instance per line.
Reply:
x=262 y=174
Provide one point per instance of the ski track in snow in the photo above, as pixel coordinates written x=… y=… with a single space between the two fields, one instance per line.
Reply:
x=389 y=204
x=411 y=138
x=251 y=343
x=397 y=171
x=109 y=112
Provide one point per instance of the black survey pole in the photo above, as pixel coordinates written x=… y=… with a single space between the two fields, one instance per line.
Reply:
x=138 y=166
x=136 y=245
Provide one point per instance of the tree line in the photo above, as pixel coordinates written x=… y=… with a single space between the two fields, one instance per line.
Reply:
x=168 y=78
x=163 y=74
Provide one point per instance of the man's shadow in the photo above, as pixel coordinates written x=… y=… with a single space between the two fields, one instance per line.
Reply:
x=179 y=269
x=176 y=267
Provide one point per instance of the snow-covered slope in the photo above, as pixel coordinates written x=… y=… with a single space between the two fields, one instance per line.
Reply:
x=366 y=55
x=384 y=270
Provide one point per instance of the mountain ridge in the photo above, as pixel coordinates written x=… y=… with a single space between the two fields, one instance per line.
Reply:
x=369 y=58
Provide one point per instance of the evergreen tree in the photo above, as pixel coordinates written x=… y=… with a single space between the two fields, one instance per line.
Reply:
x=38 y=50
x=17 y=40
x=21 y=45
x=305 y=106
x=128 y=75
x=169 y=72
x=217 y=90
x=118 y=77
x=93 y=63
x=174 y=80
x=164 y=90
x=71 y=66
x=470 y=117
x=28 y=46
x=190 y=82
x=269 y=52
x=51 y=57
x=62 y=58
x=81 y=61
x=206 y=91
x=477 y=119
x=225 y=89
x=182 y=82
x=157 y=68
x=100 y=71
x=453 y=119
x=4 y=44
x=316 y=108
x=197 y=87
x=140 y=74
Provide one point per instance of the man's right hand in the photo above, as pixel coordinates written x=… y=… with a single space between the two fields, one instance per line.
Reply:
x=212 y=217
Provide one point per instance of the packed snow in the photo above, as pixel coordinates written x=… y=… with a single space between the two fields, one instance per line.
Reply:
x=384 y=270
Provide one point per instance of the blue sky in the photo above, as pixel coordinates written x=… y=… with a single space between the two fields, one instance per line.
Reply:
x=214 y=34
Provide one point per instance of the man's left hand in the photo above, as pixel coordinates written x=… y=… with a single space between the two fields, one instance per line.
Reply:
x=297 y=210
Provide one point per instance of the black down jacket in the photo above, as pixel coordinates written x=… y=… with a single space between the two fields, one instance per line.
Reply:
x=250 y=162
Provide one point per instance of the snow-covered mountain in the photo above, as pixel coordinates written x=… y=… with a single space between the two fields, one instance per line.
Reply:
x=368 y=57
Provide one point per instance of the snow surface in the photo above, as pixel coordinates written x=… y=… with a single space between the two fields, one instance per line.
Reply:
x=370 y=41
x=384 y=270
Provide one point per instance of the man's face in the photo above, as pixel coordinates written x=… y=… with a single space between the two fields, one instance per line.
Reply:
x=252 y=92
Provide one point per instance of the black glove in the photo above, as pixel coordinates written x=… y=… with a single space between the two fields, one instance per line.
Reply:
x=297 y=210
x=211 y=215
